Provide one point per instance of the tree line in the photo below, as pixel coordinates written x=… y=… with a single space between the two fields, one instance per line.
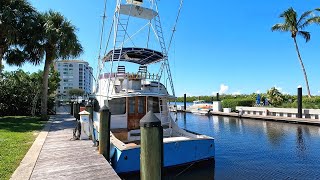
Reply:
x=27 y=35
x=20 y=92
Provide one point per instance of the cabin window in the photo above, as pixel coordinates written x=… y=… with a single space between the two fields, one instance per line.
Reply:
x=132 y=103
x=117 y=106
x=153 y=104
x=141 y=104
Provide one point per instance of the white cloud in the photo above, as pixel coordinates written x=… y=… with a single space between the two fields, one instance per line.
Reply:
x=223 y=89
x=258 y=91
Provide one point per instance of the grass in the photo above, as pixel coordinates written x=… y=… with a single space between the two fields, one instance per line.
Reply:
x=16 y=137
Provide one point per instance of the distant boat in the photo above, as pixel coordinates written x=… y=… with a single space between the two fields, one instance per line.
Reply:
x=130 y=95
x=200 y=107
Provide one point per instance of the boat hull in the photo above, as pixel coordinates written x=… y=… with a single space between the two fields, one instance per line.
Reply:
x=176 y=153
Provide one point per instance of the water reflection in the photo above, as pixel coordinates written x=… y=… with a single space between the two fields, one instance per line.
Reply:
x=301 y=147
x=275 y=133
x=255 y=149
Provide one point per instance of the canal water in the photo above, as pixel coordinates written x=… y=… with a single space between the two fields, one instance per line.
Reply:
x=255 y=149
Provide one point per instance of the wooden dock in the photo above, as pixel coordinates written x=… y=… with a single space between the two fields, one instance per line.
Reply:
x=62 y=158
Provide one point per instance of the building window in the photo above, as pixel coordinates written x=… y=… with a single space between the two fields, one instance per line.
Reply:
x=70 y=65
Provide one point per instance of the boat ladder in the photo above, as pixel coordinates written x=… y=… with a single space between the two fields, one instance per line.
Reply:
x=165 y=64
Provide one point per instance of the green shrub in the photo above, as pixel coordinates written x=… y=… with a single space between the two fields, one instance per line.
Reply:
x=19 y=89
x=232 y=103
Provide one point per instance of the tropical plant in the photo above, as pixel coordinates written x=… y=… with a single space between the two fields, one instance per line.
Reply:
x=20 y=92
x=76 y=92
x=295 y=26
x=59 y=40
x=19 y=26
x=274 y=96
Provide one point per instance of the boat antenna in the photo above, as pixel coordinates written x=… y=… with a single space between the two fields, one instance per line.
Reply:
x=104 y=17
x=175 y=25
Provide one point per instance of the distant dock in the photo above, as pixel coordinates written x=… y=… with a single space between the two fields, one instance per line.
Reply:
x=54 y=156
x=271 y=118
x=310 y=116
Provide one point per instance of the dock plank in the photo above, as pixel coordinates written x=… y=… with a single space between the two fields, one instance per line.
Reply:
x=63 y=158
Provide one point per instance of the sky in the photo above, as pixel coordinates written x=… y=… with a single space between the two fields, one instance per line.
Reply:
x=220 y=46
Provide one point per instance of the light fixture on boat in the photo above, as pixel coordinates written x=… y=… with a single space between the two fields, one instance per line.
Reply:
x=135 y=2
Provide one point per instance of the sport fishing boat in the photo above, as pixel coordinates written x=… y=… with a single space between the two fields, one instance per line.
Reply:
x=132 y=80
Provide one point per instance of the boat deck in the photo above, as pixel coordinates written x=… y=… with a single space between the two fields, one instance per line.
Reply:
x=62 y=158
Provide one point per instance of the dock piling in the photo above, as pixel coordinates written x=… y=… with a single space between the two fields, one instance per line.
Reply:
x=151 y=154
x=71 y=108
x=299 y=102
x=185 y=102
x=74 y=110
x=104 y=132
x=77 y=111
x=90 y=110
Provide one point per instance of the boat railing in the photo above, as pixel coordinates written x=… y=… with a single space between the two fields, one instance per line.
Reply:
x=131 y=76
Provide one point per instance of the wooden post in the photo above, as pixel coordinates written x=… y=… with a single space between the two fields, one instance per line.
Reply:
x=185 y=102
x=104 y=132
x=74 y=109
x=71 y=108
x=90 y=110
x=78 y=110
x=299 y=102
x=151 y=154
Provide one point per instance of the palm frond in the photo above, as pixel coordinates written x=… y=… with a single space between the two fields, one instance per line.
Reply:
x=315 y=20
x=303 y=17
x=306 y=35
x=290 y=19
x=61 y=36
x=280 y=27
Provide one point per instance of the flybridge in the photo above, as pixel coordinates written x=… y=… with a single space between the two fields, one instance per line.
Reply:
x=137 y=11
x=140 y=56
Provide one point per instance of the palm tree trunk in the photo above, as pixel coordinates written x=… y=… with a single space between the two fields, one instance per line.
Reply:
x=44 y=98
x=1 y=56
x=302 y=66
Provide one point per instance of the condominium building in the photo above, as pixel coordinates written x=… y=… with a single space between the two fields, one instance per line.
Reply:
x=74 y=74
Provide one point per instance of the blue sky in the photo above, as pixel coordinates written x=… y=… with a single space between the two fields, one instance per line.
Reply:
x=221 y=45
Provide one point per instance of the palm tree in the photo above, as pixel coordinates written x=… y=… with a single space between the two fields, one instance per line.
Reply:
x=59 y=40
x=19 y=27
x=295 y=26
x=275 y=97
